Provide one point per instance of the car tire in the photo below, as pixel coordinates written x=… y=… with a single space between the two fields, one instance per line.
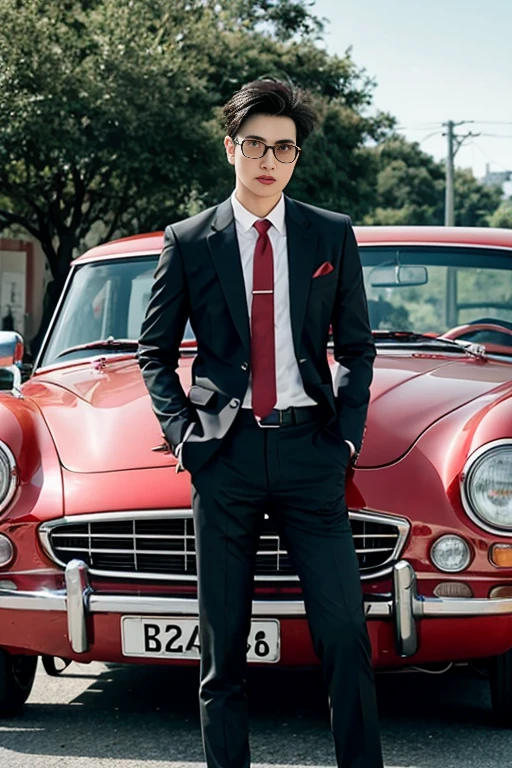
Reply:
x=500 y=679
x=17 y=675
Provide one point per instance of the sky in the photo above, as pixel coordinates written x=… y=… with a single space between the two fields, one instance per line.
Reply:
x=435 y=60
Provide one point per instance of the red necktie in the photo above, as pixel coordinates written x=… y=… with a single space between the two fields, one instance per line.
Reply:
x=263 y=347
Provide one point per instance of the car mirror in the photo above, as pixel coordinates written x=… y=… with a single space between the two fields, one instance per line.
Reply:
x=391 y=275
x=12 y=350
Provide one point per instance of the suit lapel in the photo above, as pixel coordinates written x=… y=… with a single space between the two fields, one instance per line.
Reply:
x=225 y=253
x=302 y=240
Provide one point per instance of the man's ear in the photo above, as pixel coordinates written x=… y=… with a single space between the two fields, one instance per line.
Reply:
x=230 y=149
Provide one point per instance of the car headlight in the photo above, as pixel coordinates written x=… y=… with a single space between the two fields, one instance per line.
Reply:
x=451 y=553
x=487 y=485
x=8 y=475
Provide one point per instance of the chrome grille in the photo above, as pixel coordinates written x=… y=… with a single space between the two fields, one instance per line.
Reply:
x=161 y=544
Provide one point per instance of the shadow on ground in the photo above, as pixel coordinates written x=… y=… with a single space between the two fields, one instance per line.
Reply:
x=151 y=713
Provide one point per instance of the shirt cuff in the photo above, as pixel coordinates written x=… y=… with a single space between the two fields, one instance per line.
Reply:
x=352 y=448
x=179 y=448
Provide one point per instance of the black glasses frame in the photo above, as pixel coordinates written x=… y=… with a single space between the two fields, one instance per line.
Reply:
x=266 y=148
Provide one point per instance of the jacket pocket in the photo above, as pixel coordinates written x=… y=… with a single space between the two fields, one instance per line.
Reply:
x=323 y=281
x=200 y=395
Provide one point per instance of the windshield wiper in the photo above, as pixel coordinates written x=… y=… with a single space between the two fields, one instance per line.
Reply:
x=110 y=343
x=422 y=340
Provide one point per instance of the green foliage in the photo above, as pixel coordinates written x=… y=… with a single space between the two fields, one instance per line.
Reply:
x=502 y=216
x=409 y=185
x=110 y=119
x=410 y=189
x=94 y=97
x=474 y=202
x=110 y=112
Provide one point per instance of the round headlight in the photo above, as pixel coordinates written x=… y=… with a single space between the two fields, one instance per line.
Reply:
x=6 y=550
x=451 y=553
x=8 y=475
x=487 y=485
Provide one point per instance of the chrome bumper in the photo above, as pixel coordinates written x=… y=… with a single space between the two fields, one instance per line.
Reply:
x=404 y=606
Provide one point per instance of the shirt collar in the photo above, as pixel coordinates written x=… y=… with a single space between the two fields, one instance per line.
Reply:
x=245 y=219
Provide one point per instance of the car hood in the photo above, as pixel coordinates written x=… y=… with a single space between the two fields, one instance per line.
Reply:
x=100 y=416
x=101 y=420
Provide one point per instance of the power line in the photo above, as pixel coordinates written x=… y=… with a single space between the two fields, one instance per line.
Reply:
x=418 y=127
x=430 y=135
x=426 y=126
x=493 y=122
x=487 y=157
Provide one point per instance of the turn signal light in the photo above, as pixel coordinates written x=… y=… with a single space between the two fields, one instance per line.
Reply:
x=501 y=555
x=453 y=589
x=500 y=592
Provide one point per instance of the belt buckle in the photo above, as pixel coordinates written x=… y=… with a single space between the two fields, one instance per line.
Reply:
x=269 y=426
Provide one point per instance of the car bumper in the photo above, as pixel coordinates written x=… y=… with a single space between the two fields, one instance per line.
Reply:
x=404 y=607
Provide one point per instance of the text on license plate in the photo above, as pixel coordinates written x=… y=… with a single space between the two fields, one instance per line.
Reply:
x=176 y=638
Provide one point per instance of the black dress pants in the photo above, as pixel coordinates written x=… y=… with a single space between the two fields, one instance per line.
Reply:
x=296 y=474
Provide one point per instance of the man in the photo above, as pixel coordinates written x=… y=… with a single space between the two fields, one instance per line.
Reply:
x=262 y=278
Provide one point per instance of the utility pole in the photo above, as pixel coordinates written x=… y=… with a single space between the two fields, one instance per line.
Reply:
x=449 y=214
x=454 y=144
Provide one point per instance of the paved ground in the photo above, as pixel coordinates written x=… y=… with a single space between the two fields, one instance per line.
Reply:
x=146 y=717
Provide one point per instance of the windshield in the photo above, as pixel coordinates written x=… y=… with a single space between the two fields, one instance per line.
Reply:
x=103 y=299
x=456 y=286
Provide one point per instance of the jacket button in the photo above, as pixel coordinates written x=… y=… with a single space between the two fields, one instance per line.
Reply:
x=303 y=360
x=244 y=366
x=234 y=403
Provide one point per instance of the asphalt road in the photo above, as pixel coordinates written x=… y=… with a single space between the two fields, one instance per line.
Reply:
x=147 y=717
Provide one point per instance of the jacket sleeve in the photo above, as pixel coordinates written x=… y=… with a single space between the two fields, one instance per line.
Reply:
x=159 y=345
x=354 y=348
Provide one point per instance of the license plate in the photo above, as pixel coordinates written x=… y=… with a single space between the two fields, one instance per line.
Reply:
x=172 y=638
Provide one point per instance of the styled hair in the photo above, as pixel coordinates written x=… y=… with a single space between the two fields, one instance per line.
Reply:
x=270 y=97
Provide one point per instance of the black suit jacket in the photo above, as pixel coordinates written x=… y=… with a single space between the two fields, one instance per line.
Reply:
x=199 y=276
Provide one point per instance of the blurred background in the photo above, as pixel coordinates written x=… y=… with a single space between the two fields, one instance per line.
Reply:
x=110 y=119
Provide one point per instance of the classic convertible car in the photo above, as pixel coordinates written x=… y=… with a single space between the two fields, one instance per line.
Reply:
x=97 y=558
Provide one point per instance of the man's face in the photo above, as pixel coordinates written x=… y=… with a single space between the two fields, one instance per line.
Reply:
x=264 y=177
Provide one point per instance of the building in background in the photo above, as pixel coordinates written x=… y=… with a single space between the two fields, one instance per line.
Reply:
x=23 y=277
x=496 y=178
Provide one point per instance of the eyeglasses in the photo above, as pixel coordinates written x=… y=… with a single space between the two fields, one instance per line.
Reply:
x=254 y=150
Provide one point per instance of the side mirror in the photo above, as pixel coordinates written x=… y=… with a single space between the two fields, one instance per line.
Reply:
x=391 y=275
x=12 y=350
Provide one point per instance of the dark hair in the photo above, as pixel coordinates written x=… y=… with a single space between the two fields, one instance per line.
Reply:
x=271 y=97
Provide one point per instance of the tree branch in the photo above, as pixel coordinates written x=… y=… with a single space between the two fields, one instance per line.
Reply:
x=13 y=218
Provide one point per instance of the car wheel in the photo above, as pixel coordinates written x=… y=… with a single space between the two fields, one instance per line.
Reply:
x=500 y=678
x=16 y=679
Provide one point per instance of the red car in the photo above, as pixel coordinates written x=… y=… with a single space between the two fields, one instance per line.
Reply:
x=97 y=557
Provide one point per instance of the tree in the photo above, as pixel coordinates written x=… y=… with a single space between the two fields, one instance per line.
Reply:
x=409 y=185
x=474 y=202
x=502 y=216
x=109 y=112
x=410 y=189
x=80 y=127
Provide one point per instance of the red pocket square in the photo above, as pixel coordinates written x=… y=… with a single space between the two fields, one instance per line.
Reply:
x=324 y=269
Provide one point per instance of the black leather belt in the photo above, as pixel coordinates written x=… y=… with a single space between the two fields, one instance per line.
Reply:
x=281 y=418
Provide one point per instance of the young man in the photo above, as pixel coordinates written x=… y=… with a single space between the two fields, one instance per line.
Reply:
x=262 y=278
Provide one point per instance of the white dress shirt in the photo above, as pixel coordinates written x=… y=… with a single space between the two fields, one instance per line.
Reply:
x=290 y=389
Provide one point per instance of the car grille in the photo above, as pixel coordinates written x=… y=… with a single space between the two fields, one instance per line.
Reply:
x=161 y=545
